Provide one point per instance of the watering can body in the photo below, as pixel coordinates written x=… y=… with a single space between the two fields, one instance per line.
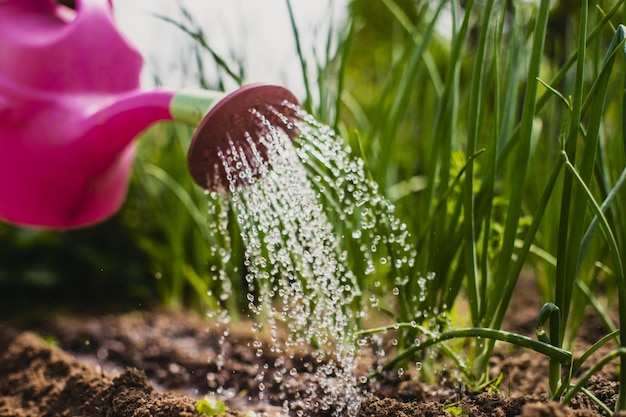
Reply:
x=70 y=106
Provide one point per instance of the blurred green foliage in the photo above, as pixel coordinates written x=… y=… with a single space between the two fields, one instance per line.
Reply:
x=91 y=268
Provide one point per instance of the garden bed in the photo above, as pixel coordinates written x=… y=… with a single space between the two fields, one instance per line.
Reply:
x=159 y=363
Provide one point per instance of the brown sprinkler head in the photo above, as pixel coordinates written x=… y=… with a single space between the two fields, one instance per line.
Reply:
x=230 y=145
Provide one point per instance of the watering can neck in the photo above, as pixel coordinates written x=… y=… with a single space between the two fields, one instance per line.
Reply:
x=49 y=46
x=113 y=126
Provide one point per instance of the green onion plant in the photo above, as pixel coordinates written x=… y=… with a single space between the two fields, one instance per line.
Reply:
x=498 y=136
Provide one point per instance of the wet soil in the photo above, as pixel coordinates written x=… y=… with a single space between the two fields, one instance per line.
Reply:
x=159 y=363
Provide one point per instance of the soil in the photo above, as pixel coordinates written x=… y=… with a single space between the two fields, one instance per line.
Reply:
x=160 y=363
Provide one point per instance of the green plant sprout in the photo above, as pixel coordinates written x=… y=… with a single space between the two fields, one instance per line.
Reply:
x=210 y=406
x=454 y=409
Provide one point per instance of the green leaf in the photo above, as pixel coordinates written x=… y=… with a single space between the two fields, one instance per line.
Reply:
x=210 y=406
x=454 y=409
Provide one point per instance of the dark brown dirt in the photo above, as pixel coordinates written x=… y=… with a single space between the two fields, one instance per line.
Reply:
x=159 y=363
x=38 y=380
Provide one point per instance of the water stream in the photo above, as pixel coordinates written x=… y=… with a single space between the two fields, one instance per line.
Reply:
x=299 y=275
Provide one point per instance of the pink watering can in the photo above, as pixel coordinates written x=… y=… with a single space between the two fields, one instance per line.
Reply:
x=71 y=106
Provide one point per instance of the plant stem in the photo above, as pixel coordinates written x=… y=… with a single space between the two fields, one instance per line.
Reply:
x=596 y=367
x=502 y=275
x=571 y=225
x=547 y=349
x=307 y=104
x=474 y=114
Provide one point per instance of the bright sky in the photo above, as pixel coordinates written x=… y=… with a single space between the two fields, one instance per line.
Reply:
x=257 y=31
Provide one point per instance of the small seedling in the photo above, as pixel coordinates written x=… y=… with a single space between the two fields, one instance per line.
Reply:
x=454 y=409
x=210 y=406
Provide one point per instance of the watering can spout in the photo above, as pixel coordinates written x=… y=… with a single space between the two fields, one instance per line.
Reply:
x=110 y=129
x=67 y=162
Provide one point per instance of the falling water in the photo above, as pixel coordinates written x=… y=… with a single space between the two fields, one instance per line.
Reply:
x=297 y=273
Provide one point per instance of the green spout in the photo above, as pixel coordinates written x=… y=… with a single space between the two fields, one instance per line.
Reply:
x=191 y=105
